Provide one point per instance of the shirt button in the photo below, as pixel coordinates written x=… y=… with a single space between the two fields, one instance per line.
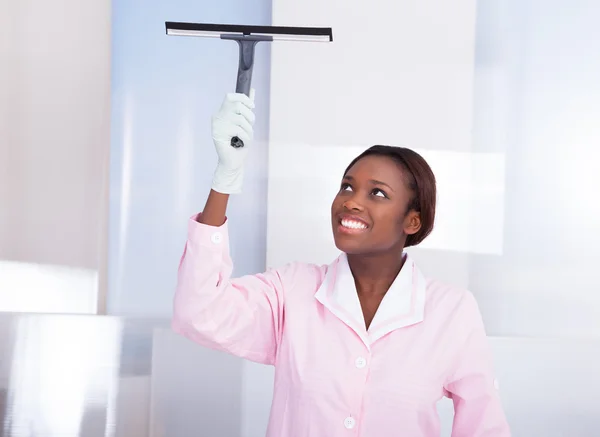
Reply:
x=349 y=422
x=216 y=238
x=360 y=362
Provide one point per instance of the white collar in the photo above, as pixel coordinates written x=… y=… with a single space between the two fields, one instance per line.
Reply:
x=403 y=305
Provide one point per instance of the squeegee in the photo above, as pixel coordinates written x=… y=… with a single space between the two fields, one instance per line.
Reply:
x=247 y=37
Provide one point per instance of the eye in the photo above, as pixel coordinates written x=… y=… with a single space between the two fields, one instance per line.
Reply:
x=345 y=186
x=379 y=193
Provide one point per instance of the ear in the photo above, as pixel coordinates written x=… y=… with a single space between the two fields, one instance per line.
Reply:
x=412 y=222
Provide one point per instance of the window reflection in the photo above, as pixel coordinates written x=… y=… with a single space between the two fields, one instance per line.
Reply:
x=63 y=374
x=40 y=288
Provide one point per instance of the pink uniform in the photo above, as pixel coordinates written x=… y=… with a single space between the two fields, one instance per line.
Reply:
x=333 y=377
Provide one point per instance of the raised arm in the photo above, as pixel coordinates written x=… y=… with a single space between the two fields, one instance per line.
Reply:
x=240 y=316
x=472 y=387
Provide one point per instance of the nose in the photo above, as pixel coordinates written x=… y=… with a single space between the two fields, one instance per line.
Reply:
x=352 y=205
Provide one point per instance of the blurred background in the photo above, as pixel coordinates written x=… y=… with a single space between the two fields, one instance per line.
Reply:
x=105 y=152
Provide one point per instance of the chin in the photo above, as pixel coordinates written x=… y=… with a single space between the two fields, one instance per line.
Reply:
x=349 y=246
x=350 y=241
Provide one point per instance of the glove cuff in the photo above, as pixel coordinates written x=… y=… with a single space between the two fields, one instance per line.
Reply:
x=228 y=181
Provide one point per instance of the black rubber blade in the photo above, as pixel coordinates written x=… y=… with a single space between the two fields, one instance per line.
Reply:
x=277 y=32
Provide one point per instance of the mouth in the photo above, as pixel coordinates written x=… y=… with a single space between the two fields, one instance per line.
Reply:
x=352 y=225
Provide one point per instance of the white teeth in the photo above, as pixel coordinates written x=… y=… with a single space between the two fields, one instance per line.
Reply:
x=353 y=224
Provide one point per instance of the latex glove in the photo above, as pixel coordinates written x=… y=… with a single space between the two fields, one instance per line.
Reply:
x=235 y=118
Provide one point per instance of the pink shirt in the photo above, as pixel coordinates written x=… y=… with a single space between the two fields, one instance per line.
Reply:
x=334 y=378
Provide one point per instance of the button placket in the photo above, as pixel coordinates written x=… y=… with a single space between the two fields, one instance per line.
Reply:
x=360 y=363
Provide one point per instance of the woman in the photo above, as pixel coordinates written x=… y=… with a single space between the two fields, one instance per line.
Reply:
x=364 y=346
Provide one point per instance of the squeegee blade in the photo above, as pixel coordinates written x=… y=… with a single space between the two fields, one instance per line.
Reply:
x=322 y=34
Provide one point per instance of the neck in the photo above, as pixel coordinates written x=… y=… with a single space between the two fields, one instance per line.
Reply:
x=374 y=274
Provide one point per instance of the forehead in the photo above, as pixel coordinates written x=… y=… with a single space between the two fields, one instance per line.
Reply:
x=381 y=168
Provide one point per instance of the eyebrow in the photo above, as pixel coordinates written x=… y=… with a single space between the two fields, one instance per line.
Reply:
x=373 y=181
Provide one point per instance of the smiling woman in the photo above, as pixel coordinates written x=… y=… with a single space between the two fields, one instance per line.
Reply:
x=386 y=202
x=368 y=342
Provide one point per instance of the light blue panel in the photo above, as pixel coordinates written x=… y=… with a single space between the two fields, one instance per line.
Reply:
x=164 y=91
x=537 y=101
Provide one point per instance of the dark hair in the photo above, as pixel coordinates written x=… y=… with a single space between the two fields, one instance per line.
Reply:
x=420 y=180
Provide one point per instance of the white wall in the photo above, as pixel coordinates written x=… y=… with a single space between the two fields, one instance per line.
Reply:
x=396 y=73
x=54 y=138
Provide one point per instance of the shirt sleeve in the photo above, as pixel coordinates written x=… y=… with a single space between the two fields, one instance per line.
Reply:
x=478 y=410
x=240 y=316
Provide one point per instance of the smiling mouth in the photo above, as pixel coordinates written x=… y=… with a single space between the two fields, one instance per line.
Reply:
x=351 y=226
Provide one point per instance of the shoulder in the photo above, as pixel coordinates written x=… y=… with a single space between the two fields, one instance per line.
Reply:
x=300 y=275
x=443 y=293
x=450 y=304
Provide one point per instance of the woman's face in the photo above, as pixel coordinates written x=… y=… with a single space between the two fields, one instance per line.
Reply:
x=369 y=213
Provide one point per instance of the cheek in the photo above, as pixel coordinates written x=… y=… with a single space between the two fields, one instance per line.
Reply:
x=336 y=204
x=389 y=226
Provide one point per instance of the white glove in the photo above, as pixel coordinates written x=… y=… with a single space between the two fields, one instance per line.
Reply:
x=234 y=119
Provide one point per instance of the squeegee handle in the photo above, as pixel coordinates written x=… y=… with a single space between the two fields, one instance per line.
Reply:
x=244 y=75
x=244 y=81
